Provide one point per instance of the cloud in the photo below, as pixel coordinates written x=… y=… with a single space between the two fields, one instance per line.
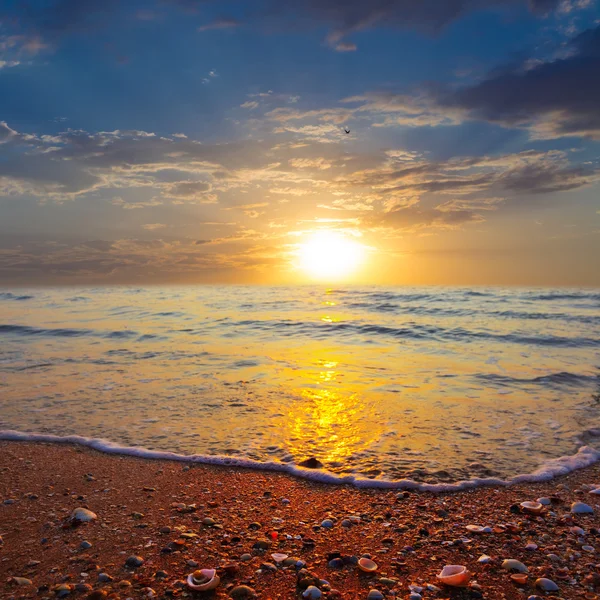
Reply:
x=154 y=226
x=220 y=24
x=554 y=99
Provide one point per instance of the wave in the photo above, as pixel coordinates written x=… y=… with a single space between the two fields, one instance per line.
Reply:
x=565 y=296
x=27 y=331
x=414 y=331
x=550 y=469
x=10 y=296
x=562 y=378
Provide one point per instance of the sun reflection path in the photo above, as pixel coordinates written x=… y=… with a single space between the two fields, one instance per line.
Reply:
x=327 y=423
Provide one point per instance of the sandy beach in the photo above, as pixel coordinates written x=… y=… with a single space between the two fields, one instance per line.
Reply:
x=177 y=518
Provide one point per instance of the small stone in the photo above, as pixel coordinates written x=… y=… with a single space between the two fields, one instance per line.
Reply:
x=21 y=581
x=588 y=548
x=208 y=521
x=514 y=565
x=242 y=592
x=105 y=577
x=83 y=587
x=415 y=596
x=246 y=557
x=98 y=595
x=311 y=463
x=531 y=546
x=62 y=590
x=261 y=545
x=328 y=523
x=83 y=515
x=346 y=523
x=335 y=563
x=544 y=501
x=192 y=563
x=312 y=593
x=374 y=595
x=164 y=530
x=579 y=508
x=133 y=562
x=85 y=545
x=546 y=585
x=484 y=559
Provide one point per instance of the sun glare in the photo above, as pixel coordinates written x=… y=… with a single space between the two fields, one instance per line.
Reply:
x=330 y=255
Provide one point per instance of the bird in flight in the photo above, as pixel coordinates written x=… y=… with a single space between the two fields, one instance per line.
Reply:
x=346 y=130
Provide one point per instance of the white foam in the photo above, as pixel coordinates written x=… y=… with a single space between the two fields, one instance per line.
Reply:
x=550 y=469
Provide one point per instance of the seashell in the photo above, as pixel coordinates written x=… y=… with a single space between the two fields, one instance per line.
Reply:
x=278 y=557
x=547 y=585
x=367 y=565
x=519 y=578
x=533 y=508
x=203 y=580
x=577 y=531
x=595 y=491
x=477 y=529
x=510 y=564
x=588 y=548
x=454 y=575
x=579 y=508
x=82 y=515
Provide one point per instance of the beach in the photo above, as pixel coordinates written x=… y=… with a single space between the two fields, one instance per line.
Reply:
x=157 y=521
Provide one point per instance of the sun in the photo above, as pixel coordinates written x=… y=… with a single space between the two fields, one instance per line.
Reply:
x=330 y=255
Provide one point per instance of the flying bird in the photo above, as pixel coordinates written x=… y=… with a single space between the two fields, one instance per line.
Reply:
x=346 y=130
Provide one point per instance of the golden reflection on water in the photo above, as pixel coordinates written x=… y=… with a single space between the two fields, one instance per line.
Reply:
x=328 y=422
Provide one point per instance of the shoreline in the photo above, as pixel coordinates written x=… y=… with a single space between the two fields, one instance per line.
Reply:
x=585 y=457
x=170 y=513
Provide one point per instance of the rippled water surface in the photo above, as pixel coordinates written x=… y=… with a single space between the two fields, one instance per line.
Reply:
x=433 y=384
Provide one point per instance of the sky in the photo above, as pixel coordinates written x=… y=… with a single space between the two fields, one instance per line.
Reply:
x=204 y=141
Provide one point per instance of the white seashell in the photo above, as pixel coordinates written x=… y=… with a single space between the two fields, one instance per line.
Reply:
x=278 y=557
x=547 y=585
x=203 y=580
x=579 y=508
x=510 y=564
x=367 y=565
x=588 y=548
x=82 y=515
x=534 y=508
x=454 y=575
x=476 y=529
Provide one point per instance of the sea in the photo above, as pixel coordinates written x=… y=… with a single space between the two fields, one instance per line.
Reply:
x=426 y=387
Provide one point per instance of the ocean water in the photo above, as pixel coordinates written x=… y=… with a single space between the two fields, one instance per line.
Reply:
x=432 y=385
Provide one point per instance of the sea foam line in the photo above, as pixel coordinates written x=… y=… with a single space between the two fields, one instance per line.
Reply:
x=550 y=469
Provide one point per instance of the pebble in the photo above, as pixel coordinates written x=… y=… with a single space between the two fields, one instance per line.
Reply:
x=588 y=548
x=22 y=581
x=104 y=577
x=246 y=557
x=415 y=596
x=85 y=545
x=62 y=590
x=511 y=564
x=134 y=562
x=328 y=523
x=374 y=595
x=83 y=515
x=547 y=585
x=98 y=595
x=579 y=508
x=531 y=546
x=545 y=501
x=242 y=592
x=312 y=593
x=484 y=559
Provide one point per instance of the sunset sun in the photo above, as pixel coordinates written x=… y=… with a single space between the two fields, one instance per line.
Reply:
x=330 y=255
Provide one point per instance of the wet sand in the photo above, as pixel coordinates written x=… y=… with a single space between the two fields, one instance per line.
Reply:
x=179 y=518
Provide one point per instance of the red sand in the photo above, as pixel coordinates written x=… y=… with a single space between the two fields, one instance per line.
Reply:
x=134 y=499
